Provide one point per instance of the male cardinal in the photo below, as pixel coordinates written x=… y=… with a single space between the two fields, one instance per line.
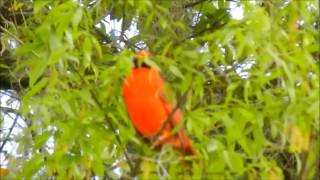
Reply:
x=149 y=110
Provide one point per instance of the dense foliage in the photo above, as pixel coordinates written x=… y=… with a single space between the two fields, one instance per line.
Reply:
x=252 y=84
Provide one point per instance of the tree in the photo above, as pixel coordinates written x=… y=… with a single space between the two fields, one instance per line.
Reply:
x=252 y=85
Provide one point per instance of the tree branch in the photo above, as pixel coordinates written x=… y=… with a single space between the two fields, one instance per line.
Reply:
x=123 y=20
x=9 y=110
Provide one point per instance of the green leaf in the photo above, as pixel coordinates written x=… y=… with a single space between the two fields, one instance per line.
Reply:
x=54 y=42
x=98 y=167
x=151 y=64
x=56 y=55
x=38 y=5
x=66 y=107
x=41 y=139
x=32 y=167
x=77 y=17
x=86 y=96
x=4 y=66
x=98 y=48
x=37 y=69
x=36 y=88
x=87 y=48
x=234 y=160
x=176 y=71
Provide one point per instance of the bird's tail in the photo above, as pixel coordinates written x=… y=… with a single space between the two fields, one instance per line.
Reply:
x=179 y=141
x=182 y=143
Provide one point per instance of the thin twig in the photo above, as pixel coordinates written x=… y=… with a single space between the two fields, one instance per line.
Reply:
x=179 y=104
x=9 y=133
x=11 y=95
x=124 y=38
x=11 y=34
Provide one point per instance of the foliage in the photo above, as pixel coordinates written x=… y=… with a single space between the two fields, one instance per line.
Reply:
x=252 y=109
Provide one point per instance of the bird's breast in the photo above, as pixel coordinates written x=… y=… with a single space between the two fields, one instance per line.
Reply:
x=141 y=90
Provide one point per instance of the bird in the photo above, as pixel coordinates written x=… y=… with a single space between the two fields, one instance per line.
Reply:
x=151 y=114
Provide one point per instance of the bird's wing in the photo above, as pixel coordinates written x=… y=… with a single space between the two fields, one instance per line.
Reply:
x=168 y=108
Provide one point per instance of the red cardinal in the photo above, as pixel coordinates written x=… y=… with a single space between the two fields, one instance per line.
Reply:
x=148 y=109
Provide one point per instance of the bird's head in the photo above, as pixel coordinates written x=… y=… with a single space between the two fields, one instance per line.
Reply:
x=143 y=54
x=139 y=58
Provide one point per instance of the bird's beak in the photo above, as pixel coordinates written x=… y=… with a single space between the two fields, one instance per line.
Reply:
x=143 y=54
